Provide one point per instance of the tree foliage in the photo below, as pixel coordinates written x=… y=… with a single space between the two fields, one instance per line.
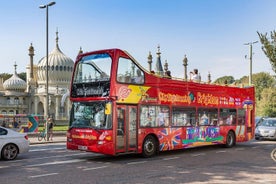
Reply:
x=225 y=80
x=269 y=47
x=266 y=106
x=6 y=76
x=262 y=81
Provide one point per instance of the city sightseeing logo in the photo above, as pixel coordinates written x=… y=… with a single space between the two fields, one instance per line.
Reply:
x=273 y=154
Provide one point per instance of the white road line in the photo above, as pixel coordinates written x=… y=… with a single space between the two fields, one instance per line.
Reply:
x=222 y=151
x=1 y=167
x=56 y=163
x=196 y=155
x=44 y=149
x=254 y=147
x=43 y=175
x=139 y=162
x=170 y=158
x=94 y=168
x=239 y=149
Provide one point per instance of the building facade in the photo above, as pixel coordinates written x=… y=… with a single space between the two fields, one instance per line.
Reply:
x=29 y=97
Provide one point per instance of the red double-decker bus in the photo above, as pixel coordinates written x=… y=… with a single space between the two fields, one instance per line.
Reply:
x=118 y=107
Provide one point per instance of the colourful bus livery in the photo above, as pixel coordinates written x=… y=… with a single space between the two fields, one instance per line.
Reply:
x=119 y=107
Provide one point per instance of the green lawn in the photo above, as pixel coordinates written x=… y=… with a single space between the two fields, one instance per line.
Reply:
x=56 y=128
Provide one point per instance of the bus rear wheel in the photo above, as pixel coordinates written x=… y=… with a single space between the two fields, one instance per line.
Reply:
x=149 y=146
x=230 y=139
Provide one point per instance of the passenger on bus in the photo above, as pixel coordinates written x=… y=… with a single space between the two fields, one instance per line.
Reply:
x=168 y=74
x=195 y=76
x=139 y=78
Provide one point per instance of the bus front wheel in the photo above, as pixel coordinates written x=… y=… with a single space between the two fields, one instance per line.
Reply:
x=149 y=146
x=230 y=139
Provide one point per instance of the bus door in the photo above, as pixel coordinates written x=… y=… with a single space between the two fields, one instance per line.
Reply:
x=126 y=128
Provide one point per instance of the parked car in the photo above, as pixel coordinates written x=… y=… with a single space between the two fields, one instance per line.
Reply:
x=266 y=129
x=258 y=120
x=12 y=143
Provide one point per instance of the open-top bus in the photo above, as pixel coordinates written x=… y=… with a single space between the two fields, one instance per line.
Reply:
x=119 y=107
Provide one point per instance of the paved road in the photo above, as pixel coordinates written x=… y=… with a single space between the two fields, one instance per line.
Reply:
x=57 y=138
x=51 y=163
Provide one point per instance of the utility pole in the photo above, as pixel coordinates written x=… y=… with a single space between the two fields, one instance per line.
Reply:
x=250 y=60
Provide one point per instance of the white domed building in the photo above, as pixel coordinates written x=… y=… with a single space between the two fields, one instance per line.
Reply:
x=20 y=97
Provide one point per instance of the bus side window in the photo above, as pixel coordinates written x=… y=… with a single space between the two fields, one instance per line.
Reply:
x=163 y=116
x=128 y=72
x=227 y=117
x=183 y=116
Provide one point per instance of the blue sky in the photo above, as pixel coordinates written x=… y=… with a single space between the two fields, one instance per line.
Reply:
x=211 y=33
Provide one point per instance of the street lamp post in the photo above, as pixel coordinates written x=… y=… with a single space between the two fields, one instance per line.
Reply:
x=250 y=60
x=47 y=68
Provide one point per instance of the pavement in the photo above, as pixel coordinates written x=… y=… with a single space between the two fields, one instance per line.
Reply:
x=58 y=137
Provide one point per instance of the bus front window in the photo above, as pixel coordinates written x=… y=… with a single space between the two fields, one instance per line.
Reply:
x=92 y=76
x=91 y=115
x=92 y=68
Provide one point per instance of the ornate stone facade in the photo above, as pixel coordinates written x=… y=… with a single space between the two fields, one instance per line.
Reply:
x=29 y=97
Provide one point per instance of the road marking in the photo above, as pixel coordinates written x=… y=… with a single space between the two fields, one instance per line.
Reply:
x=56 y=163
x=1 y=167
x=139 y=162
x=46 y=149
x=94 y=168
x=196 y=155
x=43 y=175
x=273 y=154
x=170 y=158
x=222 y=151
x=239 y=149
x=254 y=147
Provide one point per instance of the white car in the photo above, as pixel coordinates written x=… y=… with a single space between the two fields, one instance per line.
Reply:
x=12 y=143
x=266 y=129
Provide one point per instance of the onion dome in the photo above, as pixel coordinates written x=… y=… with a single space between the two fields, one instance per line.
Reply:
x=15 y=83
x=60 y=68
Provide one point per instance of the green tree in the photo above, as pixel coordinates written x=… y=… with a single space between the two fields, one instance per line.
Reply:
x=6 y=76
x=267 y=105
x=262 y=81
x=22 y=76
x=225 y=80
x=269 y=47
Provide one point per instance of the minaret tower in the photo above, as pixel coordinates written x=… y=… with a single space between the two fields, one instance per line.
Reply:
x=159 y=68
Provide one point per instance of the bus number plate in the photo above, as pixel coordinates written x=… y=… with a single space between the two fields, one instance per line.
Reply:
x=84 y=148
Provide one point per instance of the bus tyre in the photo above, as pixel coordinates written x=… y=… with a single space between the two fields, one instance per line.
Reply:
x=230 y=139
x=149 y=146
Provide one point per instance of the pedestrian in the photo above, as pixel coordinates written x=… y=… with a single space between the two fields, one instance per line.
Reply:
x=4 y=124
x=50 y=128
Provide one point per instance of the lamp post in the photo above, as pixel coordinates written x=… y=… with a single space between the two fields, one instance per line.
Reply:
x=47 y=68
x=250 y=60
